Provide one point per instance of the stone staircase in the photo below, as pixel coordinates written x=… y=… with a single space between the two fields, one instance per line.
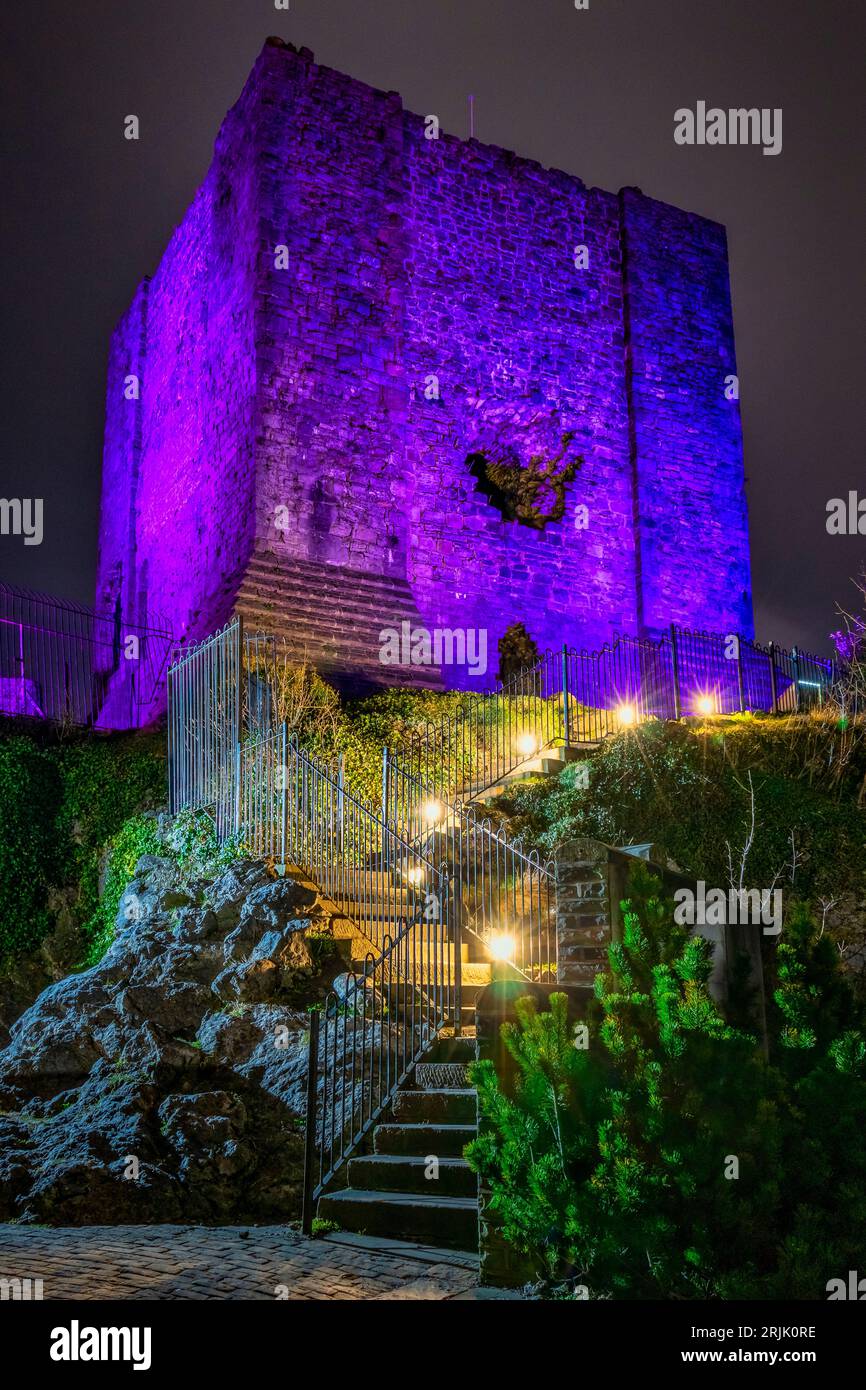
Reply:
x=548 y=763
x=409 y=1182
x=414 y=1184
x=433 y=1115
x=332 y=617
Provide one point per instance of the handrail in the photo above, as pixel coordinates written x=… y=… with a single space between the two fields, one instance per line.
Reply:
x=420 y=869
x=298 y=811
x=577 y=697
x=505 y=895
x=366 y=1039
x=63 y=662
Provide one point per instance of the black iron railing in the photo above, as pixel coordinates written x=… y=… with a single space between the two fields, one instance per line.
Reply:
x=66 y=663
x=421 y=872
x=205 y=711
x=298 y=812
x=505 y=894
x=367 y=1037
x=576 y=698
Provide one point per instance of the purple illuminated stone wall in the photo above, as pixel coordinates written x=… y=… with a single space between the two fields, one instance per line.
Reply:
x=305 y=391
x=690 y=504
x=177 y=519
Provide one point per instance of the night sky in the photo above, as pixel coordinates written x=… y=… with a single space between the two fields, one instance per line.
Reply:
x=86 y=213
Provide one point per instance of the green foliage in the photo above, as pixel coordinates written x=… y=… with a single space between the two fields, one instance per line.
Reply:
x=533 y=494
x=301 y=699
x=812 y=1000
x=610 y=1166
x=322 y=948
x=137 y=836
x=818 y=1043
x=687 y=789
x=322 y=1227
x=191 y=838
x=60 y=804
x=385 y=719
x=29 y=792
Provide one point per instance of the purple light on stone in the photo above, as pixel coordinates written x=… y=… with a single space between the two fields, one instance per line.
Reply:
x=410 y=330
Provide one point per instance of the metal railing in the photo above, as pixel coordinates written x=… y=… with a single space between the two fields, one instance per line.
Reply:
x=205 y=709
x=366 y=1039
x=421 y=872
x=490 y=733
x=504 y=894
x=577 y=697
x=298 y=812
x=65 y=663
x=220 y=692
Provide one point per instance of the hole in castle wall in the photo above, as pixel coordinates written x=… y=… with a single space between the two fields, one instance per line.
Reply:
x=532 y=494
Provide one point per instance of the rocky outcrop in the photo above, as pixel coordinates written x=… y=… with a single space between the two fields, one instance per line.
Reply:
x=167 y=1083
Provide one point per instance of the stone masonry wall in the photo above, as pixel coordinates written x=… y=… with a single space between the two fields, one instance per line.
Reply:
x=521 y=342
x=688 y=451
x=332 y=390
x=584 y=913
x=177 y=514
x=121 y=463
x=288 y=408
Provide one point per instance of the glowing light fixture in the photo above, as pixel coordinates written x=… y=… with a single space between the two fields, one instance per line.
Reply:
x=501 y=946
x=432 y=812
x=415 y=874
x=527 y=745
x=706 y=704
x=626 y=715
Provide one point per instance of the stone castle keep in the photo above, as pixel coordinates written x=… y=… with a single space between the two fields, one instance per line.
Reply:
x=357 y=332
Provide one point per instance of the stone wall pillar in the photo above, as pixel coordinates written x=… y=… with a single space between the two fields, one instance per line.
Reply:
x=585 y=923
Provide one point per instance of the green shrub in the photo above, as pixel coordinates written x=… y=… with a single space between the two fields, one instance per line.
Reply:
x=191 y=838
x=30 y=790
x=60 y=805
x=611 y=1166
x=137 y=836
x=321 y=1226
x=688 y=790
x=517 y=652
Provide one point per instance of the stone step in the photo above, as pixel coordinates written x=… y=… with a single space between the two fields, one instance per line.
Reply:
x=451 y=1222
x=450 y=1050
x=434 y=1076
x=292 y=576
x=400 y=1173
x=401 y=992
x=350 y=596
x=331 y=620
x=435 y=1107
x=333 y=616
x=546 y=764
x=353 y=635
x=291 y=572
x=443 y=1140
x=329 y=652
x=420 y=967
x=414 y=945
